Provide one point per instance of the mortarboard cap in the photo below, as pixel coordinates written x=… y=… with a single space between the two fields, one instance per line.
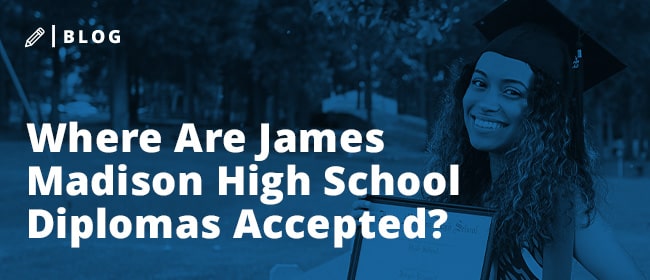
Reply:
x=536 y=32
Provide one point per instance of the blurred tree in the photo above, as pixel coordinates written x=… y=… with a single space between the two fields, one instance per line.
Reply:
x=617 y=108
x=246 y=62
x=10 y=11
x=176 y=43
x=289 y=63
x=65 y=15
x=412 y=42
x=163 y=41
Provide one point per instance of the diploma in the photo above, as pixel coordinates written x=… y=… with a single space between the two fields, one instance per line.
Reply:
x=462 y=250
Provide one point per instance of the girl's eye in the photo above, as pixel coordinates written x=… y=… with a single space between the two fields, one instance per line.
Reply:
x=513 y=92
x=478 y=83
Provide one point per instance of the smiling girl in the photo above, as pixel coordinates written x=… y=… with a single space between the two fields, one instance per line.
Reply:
x=513 y=122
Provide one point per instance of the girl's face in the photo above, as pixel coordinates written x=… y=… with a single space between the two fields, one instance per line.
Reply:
x=495 y=102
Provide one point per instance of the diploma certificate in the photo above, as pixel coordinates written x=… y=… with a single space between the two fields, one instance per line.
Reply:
x=461 y=252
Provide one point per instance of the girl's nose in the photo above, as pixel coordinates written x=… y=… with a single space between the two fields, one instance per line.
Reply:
x=490 y=102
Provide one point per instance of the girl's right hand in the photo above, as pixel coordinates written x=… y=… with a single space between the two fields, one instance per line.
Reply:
x=362 y=205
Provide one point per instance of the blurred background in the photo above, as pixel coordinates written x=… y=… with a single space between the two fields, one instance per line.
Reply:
x=239 y=63
x=294 y=64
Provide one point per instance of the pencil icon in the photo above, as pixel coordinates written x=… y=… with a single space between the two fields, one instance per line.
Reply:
x=34 y=37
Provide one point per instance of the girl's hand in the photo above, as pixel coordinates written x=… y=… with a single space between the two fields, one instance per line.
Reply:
x=361 y=206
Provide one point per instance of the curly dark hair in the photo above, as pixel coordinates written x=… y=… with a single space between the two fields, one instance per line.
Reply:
x=542 y=168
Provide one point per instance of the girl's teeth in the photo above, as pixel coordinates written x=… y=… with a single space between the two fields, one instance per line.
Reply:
x=487 y=124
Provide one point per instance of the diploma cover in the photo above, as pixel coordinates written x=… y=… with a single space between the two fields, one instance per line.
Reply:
x=461 y=252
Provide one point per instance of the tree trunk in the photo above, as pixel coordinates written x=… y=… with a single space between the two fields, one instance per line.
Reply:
x=628 y=138
x=134 y=91
x=595 y=122
x=226 y=106
x=359 y=89
x=5 y=89
x=274 y=106
x=256 y=105
x=57 y=69
x=430 y=108
x=120 y=96
x=368 y=90
x=188 y=104
x=609 y=127
x=358 y=84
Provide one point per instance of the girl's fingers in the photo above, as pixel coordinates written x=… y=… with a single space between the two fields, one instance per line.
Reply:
x=359 y=207
x=362 y=204
x=357 y=213
x=374 y=215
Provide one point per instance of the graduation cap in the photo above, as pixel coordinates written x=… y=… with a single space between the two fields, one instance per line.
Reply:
x=534 y=31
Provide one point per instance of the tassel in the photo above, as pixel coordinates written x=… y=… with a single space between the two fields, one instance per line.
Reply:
x=578 y=86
